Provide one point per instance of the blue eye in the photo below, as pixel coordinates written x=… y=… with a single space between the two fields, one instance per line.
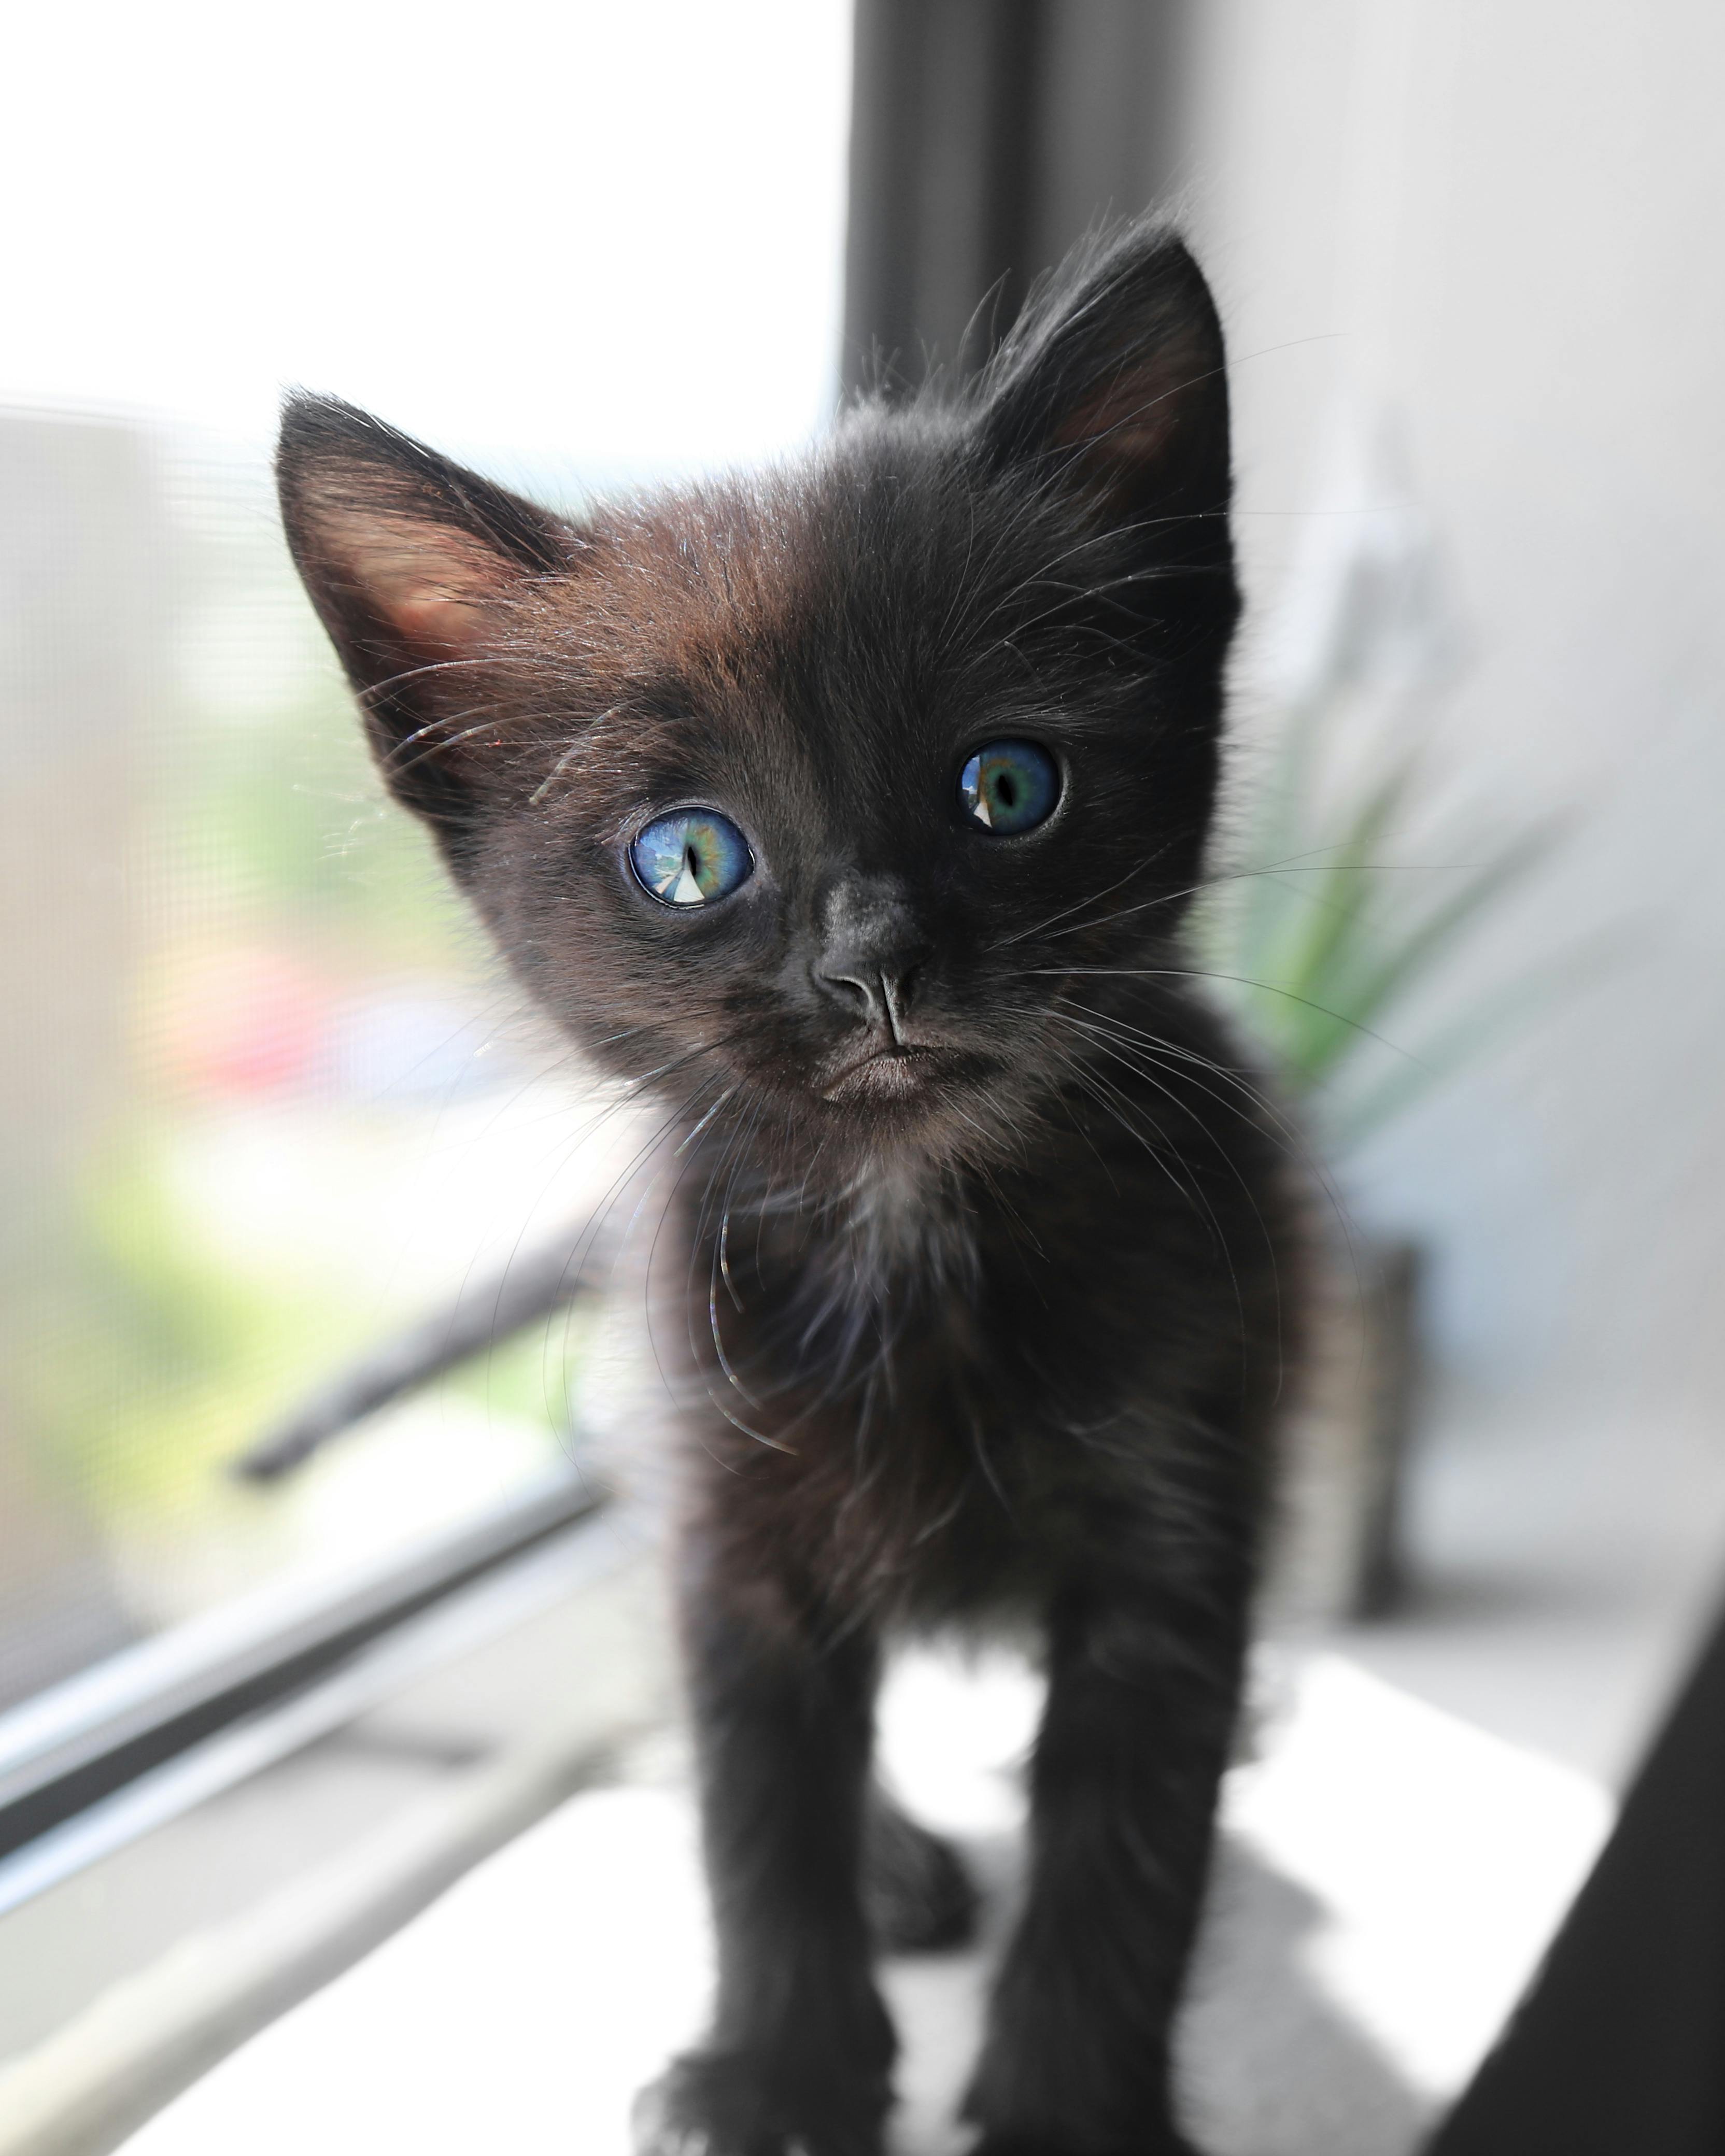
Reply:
x=1009 y=786
x=691 y=857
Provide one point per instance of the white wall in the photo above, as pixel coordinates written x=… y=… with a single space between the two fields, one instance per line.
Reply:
x=1491 y=233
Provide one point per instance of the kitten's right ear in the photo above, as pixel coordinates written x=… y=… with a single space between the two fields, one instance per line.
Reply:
x=418 y=570
x=1113 y=381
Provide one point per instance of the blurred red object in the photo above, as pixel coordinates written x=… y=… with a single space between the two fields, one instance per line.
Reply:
x=245 y=1020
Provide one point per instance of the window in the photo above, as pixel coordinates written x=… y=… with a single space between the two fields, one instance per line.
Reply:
x=265 y=1098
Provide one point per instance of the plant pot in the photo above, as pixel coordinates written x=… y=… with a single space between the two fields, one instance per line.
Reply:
x=1340 y=1554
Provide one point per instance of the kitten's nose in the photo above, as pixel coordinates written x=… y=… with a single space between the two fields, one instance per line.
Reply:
x=870 y=953
x=880 y=999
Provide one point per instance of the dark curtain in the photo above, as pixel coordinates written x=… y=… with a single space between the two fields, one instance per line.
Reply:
x=986 y=136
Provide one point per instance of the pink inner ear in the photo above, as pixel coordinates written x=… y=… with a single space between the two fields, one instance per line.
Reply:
x=1134 y=420
x=428 y=586
x=435 y=618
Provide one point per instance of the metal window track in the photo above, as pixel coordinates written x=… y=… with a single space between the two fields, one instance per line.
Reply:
x=92 y=1762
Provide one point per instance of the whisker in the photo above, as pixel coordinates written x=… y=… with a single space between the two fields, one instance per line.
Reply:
x=1241 y=980
x=1024 y=934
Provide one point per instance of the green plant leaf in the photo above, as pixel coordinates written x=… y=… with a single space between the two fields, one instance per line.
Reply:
x=1516 y=1003
x=1414 y=956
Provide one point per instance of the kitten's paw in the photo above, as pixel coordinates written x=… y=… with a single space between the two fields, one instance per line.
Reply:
x=916 y=1893
x=724 y=2103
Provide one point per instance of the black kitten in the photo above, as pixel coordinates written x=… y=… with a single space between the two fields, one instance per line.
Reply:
x=855 y=809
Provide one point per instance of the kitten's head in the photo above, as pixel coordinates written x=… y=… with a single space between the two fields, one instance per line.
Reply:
x=817 y=794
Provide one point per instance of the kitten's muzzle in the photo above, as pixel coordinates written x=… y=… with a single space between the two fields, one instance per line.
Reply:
x=882 y=1074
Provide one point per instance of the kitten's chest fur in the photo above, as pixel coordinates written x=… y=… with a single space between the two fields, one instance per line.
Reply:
x=937 y=1389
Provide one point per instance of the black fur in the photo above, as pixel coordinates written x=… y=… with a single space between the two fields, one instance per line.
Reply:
x=994 y=1324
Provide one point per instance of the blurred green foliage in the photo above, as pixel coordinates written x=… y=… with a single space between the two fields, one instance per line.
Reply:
x=160 y=1354
x=1325 y=944
x=289 y=804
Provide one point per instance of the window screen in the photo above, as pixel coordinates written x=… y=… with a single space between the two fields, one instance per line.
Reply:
x=265 y=1095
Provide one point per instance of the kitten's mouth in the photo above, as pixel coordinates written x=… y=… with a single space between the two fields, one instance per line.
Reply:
x=882 y=1074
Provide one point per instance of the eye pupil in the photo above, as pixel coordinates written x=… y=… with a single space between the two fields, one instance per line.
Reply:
x=1008 y=786
x=692 y=857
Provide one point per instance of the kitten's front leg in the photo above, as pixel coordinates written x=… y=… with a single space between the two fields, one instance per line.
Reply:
x=800 y=2052
x=1143 y=1682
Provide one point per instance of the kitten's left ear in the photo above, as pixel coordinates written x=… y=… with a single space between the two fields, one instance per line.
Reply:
x=418 y=570
x=1115 y=375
